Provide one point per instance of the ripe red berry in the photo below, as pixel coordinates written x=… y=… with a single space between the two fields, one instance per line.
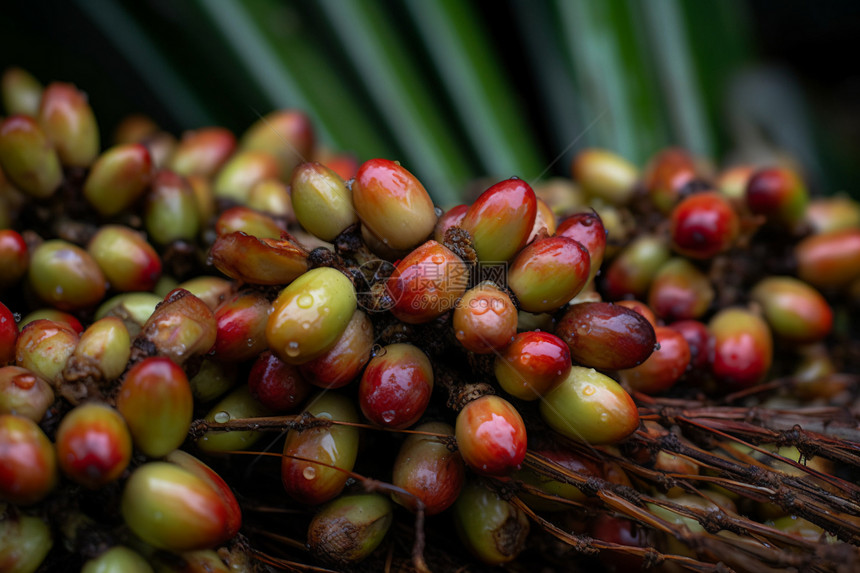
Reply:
x=93 y=445
x=664 y=367
x=491 y=436
x=588 y=229
x=8 y=335
x=426 y=283
x=548 y=273
x=532 y=364
x=342 y=363
x=279 y=386
x=742 y=347
x=485 y=319
x=396 y=386
x=28 y=464
x=704 y=225
x=501 y=220
x=779 y=194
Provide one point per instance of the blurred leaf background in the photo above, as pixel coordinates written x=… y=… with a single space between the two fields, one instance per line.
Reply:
x=459 y=90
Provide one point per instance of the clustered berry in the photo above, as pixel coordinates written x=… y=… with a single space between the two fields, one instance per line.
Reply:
x=233 y=354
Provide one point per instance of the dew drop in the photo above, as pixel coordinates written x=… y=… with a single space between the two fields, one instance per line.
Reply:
x=250 y=342
x=309 y=473
x=439 y=212
x=59 y=290
x=221 y=417
x=388 y=416
x=583 y=329
x=460 y=335
x=305 y=301
x=604 y=417
x=325 y=310
x=588 y=390
x=306 y=325
x=292 y=349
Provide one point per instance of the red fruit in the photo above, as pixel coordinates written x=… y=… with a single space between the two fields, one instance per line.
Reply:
x=501 y=220
x=704 y=225
x=93 y=445
x=680 y=291
x=667 y=174
x=485 y=319
x=427 y=469
x=342 y=364
x=631 y=272
x=278 y=386
x=491 y=436
x=548 y=273
x=532 y=364
x=829 y=260
x=742 y=348
x=392 y=204
x=241 y=322
x=451 y=218
x=202 y=151
x=698 y=338
x=641 y=308
x=586 y=228
x=605 y=335
x=128 y=262
x=778 y=194
x=8 y=335
x=664 y=367
x=28 y=464
x=396 y=386
x=155 y=400
x=14 y=257
x=623 y=532
x=427 y=283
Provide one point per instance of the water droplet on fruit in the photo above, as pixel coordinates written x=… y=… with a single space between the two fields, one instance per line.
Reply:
x=460 y=335
x=306 y=325
x=292 y=349
x=325 y=310
x=439 y=212
x=305 y=301
x=588 y=390
x=583 y=329
x=221 y=417
x=309 y=473
x=388 y=416
x=604 y=417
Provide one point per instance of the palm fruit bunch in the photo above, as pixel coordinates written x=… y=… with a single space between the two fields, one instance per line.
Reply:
x=223 y=353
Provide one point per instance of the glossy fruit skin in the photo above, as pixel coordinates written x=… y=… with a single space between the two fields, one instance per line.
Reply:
x=249 y=221
x=64 y=318
x=348 y=529
x=640 y=307
x=321 y=200
x=392 y=204
x=742 y=347
x=278 y=386
x=66 y=276
x=93 y=445
x=680 y=291
x=586 y=228
x=238 y=404
x=794 y=310
x=396 y=385
x=607 y=336
x=258 y=261
x=500 y=221
x=181 y=327
x=241 y=172
x=532 y=364
x=272 y=197
x=314 y=483
x=133 y=308
x=202 y=151
x=343 y=362
x=21 y=92
x=779 y=194
x=703 y=225
x=631 y=272
x=212 y=380
x=605 y=175
x=548 y=273
x=664 y=367
x=698 y=338
x=27 y=157
x=170 y=213
x=829 y=260
x=25 y=541
x=70 y=124
x=833 y=213
x=667 y=174
x=171 y=508
x=485 y=319
x=118 y=178
x=450 y=218
x=426 y=283
x=14 y=257
x=102 y=352
x=493 y=529
x=590 y=407
x=211 y=290
x=28 y=462
x=126 y=259
x=241 y=322
x=8 y=335
x=44 y=346
x=491 y=436
x=310 y=314
x=427 y=469
x=155 y=400
x=24 y=393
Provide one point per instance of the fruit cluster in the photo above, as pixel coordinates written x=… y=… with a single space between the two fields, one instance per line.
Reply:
x=253 y=353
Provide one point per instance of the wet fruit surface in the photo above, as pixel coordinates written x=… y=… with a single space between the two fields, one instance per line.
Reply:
x=491 y=436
